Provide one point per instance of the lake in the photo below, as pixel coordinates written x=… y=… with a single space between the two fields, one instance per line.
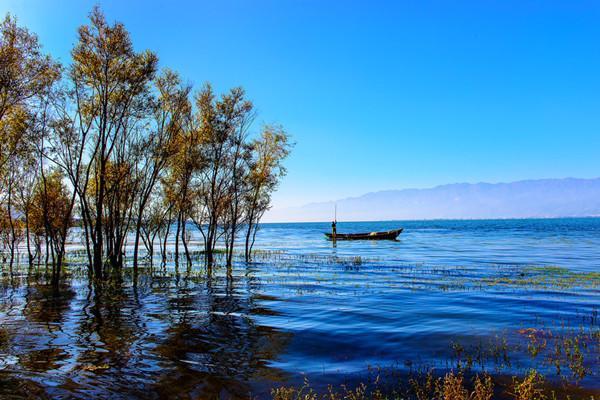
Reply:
x=500 y=295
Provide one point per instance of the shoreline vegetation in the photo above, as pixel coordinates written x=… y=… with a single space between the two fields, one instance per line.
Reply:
x=125 y=149
x=437 y=385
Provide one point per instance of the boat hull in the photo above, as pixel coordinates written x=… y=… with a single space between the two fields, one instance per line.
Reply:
x=389 y=235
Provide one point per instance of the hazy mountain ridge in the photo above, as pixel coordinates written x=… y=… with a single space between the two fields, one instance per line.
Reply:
x=569 y=197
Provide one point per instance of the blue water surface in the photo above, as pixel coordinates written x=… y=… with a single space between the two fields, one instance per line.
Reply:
x=306 y=307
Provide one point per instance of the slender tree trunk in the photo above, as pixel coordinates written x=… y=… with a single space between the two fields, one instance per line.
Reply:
x=164 y=243
x=152 y=239
x=231 y=245
x=98 y=226
x=151 y=252
x=247 y=244
x=86 y=233
x=251 y=217
x=38 y=245
x=208 y=250
x=57 y=270
x=136 y=244
x=184 y=241
x=54 y=266
x=97 y=254
x=29 y=253
x=256 y=226
x=13 y=238
x=177 y=240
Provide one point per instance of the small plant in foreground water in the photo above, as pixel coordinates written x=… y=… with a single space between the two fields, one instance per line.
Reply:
x=484 y=388
x=530 y=388
x=290 y=393
x=454 y=388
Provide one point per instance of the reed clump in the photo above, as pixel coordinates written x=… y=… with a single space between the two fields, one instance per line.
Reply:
x=452 y=386
x=531 y=387
x=484 y=388
x=429 y=386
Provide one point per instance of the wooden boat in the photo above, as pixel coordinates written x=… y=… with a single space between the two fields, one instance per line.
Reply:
x=389 y=235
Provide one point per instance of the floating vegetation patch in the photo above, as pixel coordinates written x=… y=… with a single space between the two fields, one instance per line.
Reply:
x=546 y=277
x=281 y=266
x=569 y=354
x=285 y=258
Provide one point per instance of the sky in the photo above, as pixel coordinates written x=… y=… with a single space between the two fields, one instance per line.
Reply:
x=381 y=95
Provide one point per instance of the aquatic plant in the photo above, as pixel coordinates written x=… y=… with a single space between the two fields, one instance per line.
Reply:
x=357 y=260
x=454 y=388
x=451 y=386
x=547 y=277
x=530 y=387
x=304 y=392
x=484 y=388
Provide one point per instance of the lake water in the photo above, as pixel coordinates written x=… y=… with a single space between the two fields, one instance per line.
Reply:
x=485 y=294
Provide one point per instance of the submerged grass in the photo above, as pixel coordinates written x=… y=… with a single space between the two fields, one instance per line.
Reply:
x=573 y=353
x=548 y=277
x=413 y=276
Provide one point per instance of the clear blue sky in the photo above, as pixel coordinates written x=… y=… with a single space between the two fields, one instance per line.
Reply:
x=383 y=95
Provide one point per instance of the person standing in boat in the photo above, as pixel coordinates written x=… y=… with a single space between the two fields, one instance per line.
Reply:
x=333 y=229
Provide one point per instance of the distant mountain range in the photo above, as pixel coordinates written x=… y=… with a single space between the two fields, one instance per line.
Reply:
x=542 y=198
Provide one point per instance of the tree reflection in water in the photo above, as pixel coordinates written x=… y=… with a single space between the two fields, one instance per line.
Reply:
x=188 y=336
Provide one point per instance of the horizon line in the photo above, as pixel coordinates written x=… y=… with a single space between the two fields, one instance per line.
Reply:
x=438 y=219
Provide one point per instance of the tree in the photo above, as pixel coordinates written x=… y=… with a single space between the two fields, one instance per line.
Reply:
x=222 y=126
x=26 y=80
x=9 y=180
x=125 y=150
x=171 y=116
x=155 y=221
x=25 y=74
x=265 y=171
x=25 y=188
x=111 y=86
x=51 y=211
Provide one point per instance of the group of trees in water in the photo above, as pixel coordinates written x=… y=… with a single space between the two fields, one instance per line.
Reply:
x=121 y=149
